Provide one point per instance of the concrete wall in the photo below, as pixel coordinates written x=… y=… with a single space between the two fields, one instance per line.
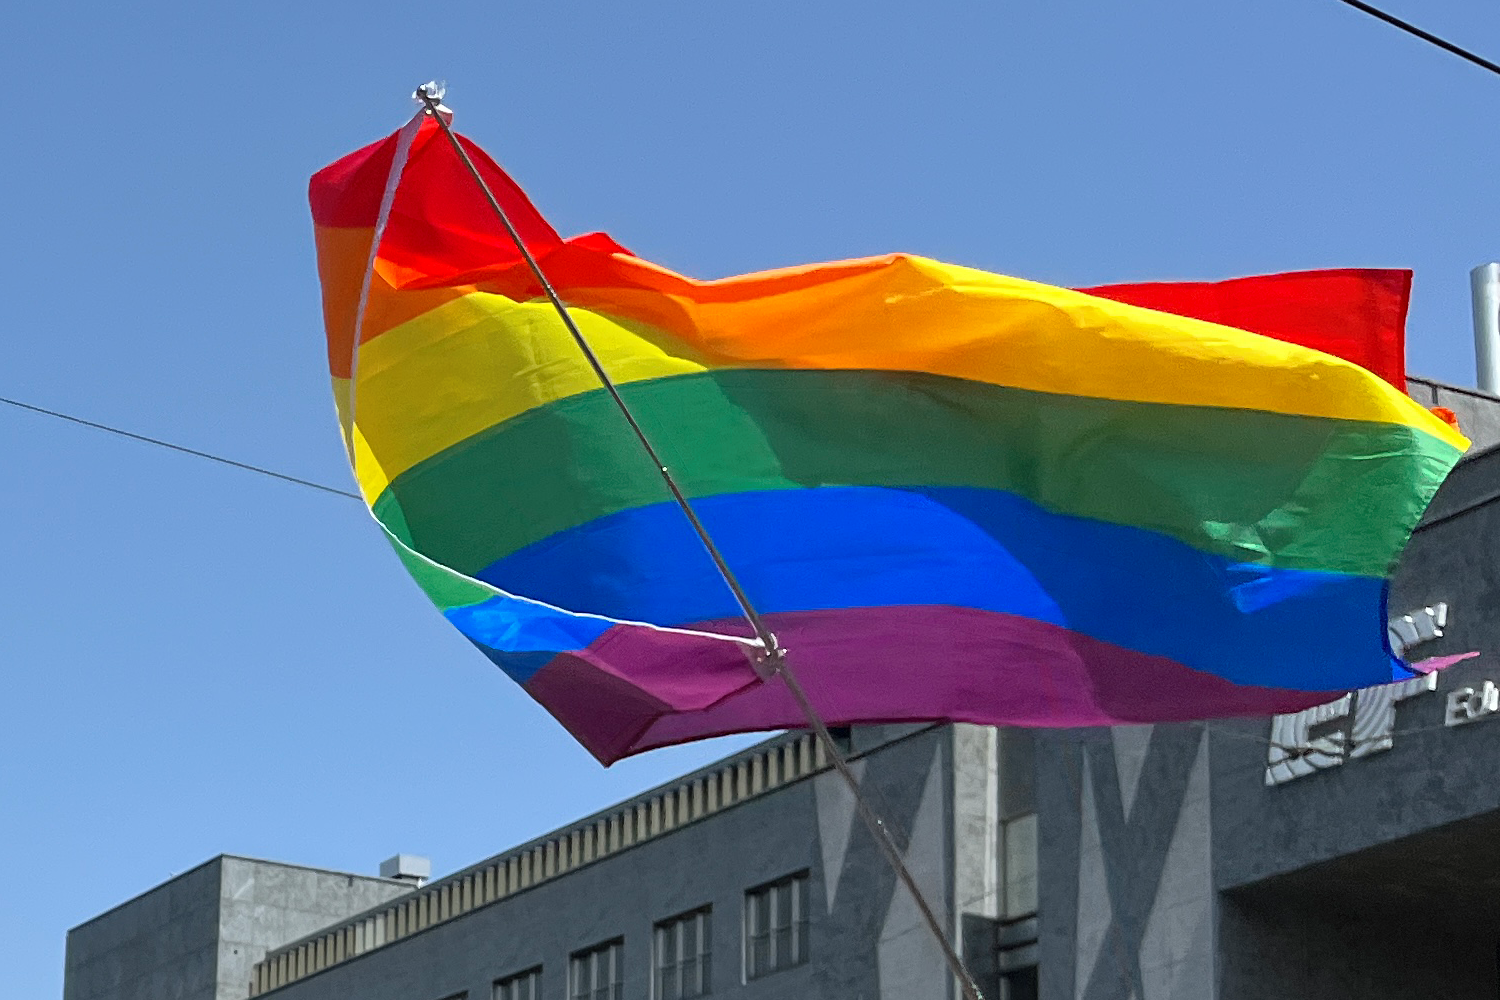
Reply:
x=265 y=905
x=1289 y=951
x=1127 y=886
x=1478 y=415
x=162 y=945
x=976 y=847
x=866 y=941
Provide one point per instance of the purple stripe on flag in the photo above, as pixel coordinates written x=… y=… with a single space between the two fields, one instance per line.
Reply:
x=636 y=689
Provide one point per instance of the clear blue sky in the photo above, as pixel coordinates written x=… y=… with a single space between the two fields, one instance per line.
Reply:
x=200 y=660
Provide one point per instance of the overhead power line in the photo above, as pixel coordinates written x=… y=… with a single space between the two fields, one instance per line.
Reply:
x=185 y=450
x=1426 y=36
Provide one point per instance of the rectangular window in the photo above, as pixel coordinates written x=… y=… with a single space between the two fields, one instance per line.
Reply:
x=776 y=926
x=522 y=986
x=682 y=956
x=598 y=973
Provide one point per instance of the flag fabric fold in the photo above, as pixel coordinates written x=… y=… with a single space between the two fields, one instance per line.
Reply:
x=952 y=494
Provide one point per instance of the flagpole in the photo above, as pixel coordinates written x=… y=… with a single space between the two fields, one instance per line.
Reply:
x=773 y=660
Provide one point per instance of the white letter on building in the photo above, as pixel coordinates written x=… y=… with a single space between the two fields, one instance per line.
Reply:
x=1294 y=754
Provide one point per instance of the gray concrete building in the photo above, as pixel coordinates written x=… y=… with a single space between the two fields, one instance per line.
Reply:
x=753 y=878
x=1347 y=851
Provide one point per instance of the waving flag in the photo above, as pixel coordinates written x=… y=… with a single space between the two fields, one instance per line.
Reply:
x=952 y=494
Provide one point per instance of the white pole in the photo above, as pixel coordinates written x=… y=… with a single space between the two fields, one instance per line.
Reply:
x=1484 y=282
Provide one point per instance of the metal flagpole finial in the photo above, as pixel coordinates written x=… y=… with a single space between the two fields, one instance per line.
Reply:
x=430 y=96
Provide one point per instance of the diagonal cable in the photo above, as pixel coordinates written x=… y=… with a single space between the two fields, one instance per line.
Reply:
x=1426 y=36
x=181 y=448
x=774 y=660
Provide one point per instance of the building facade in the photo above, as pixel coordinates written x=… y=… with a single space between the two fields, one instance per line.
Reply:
x=753 y=877
x=1347 y=851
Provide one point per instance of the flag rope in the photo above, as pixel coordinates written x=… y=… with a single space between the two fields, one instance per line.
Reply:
x=773 y=658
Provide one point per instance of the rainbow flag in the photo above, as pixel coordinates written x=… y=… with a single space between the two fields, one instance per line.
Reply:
x=952 y=494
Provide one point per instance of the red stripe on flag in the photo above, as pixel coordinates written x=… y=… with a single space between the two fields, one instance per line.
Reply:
x=1355 y=314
